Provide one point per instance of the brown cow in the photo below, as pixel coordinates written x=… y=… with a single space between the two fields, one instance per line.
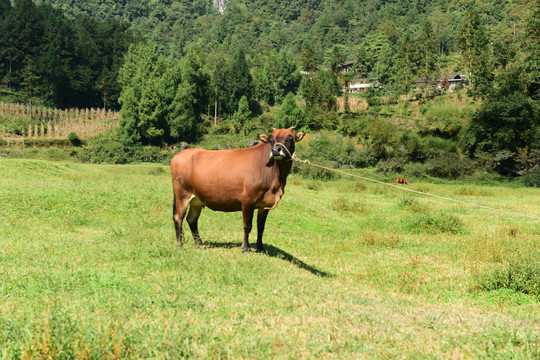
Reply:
x=232 y=180
x=400 y=181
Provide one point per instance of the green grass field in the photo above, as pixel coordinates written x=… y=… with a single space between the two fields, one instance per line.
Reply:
x=89 y=269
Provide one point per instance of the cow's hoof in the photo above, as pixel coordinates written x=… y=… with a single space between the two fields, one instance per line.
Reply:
x=200 y=244
x=261 y=251
x=246 y=251
x=179 y=244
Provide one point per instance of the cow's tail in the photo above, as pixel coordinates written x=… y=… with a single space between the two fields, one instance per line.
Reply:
x=173 y=204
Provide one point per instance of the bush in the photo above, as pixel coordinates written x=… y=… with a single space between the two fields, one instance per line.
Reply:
x=109 y=149
x=392 y=166
x=220 y=129
x=336 y=151
x=433 y=223
x=448 y=166
x=532 y=178
x=516 y=276
x=417 y=170
x=151 y=154
x=74 y=139
x=104 y=149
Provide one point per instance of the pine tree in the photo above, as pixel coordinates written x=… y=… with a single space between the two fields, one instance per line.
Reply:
x=385 y=66
x=530 y=41
x=191 y=98
x=287 y=78
x=473 y=42
x=5 y=9
x=289 y=113
x=427 y=53
x=266 y=87
x=407 y=63
x=243 y=116
x=362 y=65
x=239 y=80
x=308 y=59
x=143 y=109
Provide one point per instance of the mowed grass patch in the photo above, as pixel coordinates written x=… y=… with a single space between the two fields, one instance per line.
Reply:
x=89 y=268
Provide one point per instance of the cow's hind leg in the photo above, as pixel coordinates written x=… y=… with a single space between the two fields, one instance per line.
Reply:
x=179 y=211
x=192 y=219
x=247 y=214
x=261 y=221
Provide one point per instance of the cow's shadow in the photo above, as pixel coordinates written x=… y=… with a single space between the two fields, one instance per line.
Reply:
x=273 y=252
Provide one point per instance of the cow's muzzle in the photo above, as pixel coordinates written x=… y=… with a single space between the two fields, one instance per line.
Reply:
x=277 y=153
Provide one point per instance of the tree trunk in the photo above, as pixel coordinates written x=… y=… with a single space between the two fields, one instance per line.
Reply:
x=215 y=107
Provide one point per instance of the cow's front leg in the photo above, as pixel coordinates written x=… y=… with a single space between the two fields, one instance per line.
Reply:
x=261 y=221
x=192 y=219
x=247 y=214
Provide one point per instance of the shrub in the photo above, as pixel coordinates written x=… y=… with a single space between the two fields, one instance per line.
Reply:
x=394 y=165
x=412 y=204
x=220 y=129
x=74 y=139
x=109 y=149
x=104 y=149
x=417 y=170
x=516 y=276
x=448 y=166
x=151 y=154
x=335 y=152
x=433 y=223
x=353 y=124
x=532 y=178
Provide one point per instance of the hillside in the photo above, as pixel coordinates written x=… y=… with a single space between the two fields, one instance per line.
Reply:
x=179 y=70
x=260 y=26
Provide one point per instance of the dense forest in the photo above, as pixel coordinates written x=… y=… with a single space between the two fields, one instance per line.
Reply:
x=167 y=64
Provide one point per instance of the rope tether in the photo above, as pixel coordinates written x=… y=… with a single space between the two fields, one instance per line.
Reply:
x=295 y=158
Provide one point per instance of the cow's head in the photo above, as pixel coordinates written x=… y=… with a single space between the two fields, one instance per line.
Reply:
x=282 y=141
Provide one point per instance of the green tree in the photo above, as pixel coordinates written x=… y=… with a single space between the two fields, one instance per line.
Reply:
x=473 y=42
x=287 y=78
x=143 y=109
x=385 y=69
x=427 y=53
x=243 y=116
x=190 y=99
x=362 y=63
x=239 y=80
x=407 y=63
x=5 y=8
x=30 y=80
x=21 y=33
x=335 y=59
x=308 y=59
x=289 y=113
x=266 y=86
x=530 y=41
x=507 y=126
x=217 y=69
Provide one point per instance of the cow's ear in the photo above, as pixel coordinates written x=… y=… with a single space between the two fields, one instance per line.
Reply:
x=264 y=138
x=299 y=136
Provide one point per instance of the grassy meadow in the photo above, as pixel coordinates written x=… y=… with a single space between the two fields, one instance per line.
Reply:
x=89 y=269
